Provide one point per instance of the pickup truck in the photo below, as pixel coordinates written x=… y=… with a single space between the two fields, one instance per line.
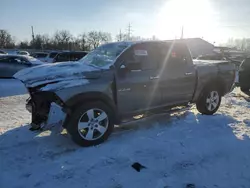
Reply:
x=120 y=80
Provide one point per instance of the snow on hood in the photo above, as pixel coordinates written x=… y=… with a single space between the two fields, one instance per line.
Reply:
x=64 y=84
x=51 y=73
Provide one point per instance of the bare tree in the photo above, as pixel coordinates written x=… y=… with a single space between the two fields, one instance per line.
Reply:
x=95 y=38
x=46 y=42
x=81 y=42
x=62 y=38
x=23 y=45
x=37 y=42
x=121 y=37
x=6 y=40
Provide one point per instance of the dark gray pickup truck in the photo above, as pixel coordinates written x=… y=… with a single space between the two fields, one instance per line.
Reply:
x=120 y=80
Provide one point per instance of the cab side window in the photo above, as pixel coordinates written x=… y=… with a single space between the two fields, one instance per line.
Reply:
x=144 y=55
x=177 y=57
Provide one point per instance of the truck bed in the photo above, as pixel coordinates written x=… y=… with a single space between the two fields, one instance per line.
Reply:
x=223 y=71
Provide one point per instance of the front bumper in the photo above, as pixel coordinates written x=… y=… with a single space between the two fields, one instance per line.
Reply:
x=45 y=117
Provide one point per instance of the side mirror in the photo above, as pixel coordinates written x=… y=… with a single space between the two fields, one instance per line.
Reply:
x=112 y=67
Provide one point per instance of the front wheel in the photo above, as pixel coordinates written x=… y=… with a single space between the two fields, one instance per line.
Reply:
x=91 y=124
x=209 y=102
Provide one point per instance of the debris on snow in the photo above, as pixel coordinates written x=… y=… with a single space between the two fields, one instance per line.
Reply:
x=138 y=167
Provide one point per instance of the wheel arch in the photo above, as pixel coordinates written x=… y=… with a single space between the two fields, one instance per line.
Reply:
x=90 y=97
x=215 y=82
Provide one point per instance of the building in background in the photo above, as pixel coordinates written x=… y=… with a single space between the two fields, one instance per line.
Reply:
x=199 y=46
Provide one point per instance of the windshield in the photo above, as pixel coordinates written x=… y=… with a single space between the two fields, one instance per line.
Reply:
x=105 y=55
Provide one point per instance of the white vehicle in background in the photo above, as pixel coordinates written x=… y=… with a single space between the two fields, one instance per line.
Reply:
x=50 y=57
x=40 y=55
x=22 y=53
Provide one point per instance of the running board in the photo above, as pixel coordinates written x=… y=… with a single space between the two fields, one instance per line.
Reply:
x=155 y=112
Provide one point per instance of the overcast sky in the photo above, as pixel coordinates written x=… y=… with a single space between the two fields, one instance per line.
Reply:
x=214 y=20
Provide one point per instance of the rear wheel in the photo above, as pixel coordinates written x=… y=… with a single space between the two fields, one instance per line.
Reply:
x=209 y=102
x=91 y=124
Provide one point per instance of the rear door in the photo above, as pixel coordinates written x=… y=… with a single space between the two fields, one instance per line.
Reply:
x=134 y=87
x=177 y=77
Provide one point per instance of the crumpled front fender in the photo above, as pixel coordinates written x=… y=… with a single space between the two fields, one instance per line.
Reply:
x=47 y=110
x=56 y=117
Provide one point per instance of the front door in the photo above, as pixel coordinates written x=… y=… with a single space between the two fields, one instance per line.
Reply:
x=136 y=85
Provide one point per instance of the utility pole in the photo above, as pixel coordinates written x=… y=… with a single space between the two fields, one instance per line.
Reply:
x=129 y=31
x=32 y=31
x=182 y=30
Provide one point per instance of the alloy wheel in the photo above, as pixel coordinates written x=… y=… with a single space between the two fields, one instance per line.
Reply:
x=93 y=124
x=212 y=100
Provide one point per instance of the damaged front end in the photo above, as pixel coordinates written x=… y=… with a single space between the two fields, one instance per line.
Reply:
x=47 y=109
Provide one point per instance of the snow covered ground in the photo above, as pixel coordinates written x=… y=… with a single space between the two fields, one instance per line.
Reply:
x=177 y=149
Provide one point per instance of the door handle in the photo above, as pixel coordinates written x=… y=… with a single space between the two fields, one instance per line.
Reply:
x=154 y=77
x=188 y=73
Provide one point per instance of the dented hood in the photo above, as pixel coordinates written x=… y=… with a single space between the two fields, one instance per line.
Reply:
x=56 y=72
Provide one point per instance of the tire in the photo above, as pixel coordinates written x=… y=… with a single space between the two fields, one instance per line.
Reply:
x=209 y=102
x=93 y=119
